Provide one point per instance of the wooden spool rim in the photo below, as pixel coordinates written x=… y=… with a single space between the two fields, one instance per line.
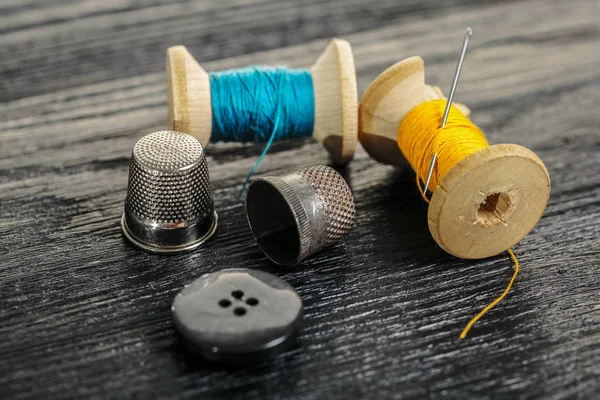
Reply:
x=188 y=92
x=395 y=92
x=516 y=185
x=380 y=113
x=336 y=116
x=336 y=127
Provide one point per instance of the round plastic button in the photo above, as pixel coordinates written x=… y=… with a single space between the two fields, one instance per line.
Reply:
x=238 y=315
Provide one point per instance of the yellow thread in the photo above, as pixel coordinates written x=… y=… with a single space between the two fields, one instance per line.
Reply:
x=420 y=136
x=493 y=303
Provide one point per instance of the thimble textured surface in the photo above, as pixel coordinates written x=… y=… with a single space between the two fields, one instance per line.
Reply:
x=168 y=179
x=298 y=214
x=169 y=206
x=335 y=194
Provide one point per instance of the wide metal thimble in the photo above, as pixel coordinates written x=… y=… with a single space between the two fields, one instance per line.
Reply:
x=296 y=215
x=169 y=206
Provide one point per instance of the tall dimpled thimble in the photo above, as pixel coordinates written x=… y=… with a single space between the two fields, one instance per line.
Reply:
x=169 y=206
x=296 y=215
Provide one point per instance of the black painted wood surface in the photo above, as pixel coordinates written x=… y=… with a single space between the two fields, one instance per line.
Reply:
x=85 y=315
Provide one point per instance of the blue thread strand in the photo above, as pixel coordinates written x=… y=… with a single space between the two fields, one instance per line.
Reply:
x=258 y=104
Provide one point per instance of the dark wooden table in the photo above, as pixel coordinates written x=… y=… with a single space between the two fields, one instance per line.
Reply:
x=85 y=315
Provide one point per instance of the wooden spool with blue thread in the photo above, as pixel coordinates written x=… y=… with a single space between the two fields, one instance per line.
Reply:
x=335 y=94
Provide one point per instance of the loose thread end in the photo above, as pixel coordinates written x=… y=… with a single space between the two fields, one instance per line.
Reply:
x=243 y=190
x=463 y=334
x=247 y=180
x=262 y=156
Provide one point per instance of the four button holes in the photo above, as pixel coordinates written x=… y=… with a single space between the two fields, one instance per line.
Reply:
x=238 y=295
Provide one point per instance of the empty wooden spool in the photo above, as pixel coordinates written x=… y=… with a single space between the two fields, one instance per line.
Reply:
x=488 y=201
x=334 y=84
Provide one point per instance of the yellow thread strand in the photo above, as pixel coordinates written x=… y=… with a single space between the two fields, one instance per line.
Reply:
x=423 y=194
x=463 y=334
x=419 y=136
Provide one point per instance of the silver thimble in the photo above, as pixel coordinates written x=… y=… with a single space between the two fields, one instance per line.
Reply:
x=169 y=206
x=296 y=215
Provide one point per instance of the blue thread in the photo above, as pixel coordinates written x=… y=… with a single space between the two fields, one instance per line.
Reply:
x=258 y=104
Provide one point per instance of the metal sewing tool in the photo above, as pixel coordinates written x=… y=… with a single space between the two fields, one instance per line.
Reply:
x=169 y=206
x=298 y=214
x=467 y=37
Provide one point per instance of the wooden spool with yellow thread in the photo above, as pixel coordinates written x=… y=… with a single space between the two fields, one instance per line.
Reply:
x=335 y=92
x=488 y=201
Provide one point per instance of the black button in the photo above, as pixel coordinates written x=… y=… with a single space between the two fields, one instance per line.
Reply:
x=238 y=315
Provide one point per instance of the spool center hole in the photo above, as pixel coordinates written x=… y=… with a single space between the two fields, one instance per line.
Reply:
x=494 y=209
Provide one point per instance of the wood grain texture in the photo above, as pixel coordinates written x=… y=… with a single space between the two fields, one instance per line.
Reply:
x=85 y=315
